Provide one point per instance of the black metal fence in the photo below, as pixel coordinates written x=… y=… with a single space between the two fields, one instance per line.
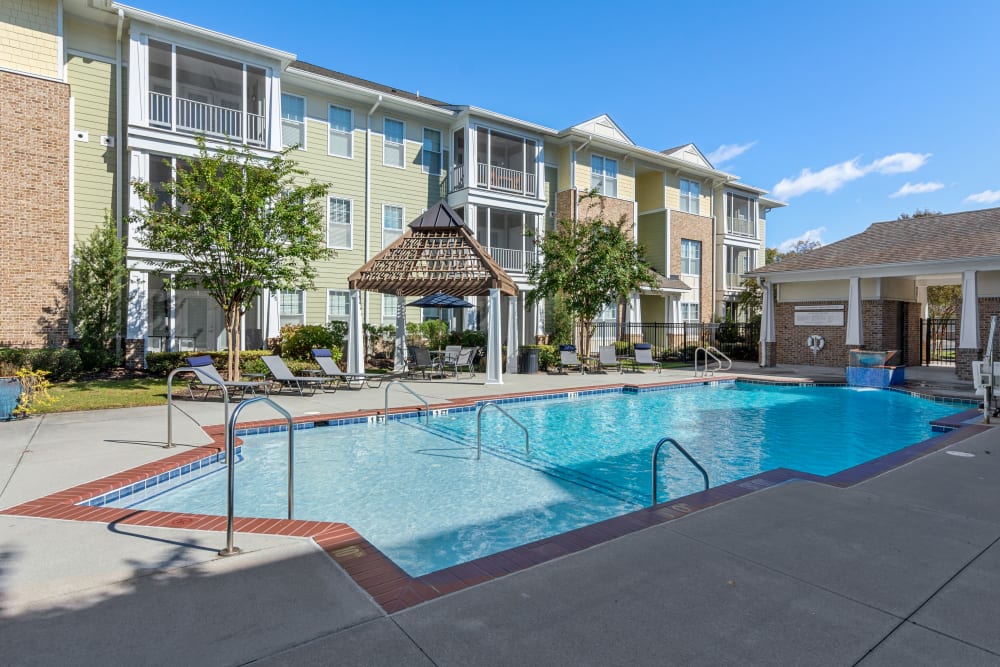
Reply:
x=737 y=340
x=938 y=341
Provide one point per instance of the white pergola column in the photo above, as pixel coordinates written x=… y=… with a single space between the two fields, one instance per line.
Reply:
x=399 y=355
x=493 y=346
x=512 y=337
x=271 y=314
x=355 y=335
x=968 y=336
x=855 y=328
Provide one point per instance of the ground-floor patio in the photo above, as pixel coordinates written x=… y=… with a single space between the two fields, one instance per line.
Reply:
x=900 y=568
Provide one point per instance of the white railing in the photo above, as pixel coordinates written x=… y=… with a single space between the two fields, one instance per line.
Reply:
x=201 y=117
x=457 y=177
x=733 y=281
x=741 y=227
x=507 y=180
x=518 y=261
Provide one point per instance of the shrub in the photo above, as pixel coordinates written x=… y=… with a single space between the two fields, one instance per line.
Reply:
x=161 y=363
x=548 y=357
x=34 y=392
x=469 y=338
x=304 y=339
x=59 y=363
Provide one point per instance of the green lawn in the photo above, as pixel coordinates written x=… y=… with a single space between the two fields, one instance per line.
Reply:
x=100 y=394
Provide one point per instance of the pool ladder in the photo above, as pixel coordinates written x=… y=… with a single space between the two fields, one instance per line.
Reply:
x=656 y=452
x=427 y=407
x=717 y=356
x=479 y=429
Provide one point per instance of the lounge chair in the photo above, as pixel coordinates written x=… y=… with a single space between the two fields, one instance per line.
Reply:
x=325 y=360
x=208 y=378
x=607 y=358
x=568 y=359
x=644 y=358
x=285 y=378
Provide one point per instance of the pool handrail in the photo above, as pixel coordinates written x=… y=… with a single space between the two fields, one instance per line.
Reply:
x=230 y=550
x=479 y=429
x=427 y=407
x=715 y=353
x=170 y=400
x=677 y=446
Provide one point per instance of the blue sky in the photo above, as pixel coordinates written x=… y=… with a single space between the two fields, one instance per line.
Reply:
x=852 y=112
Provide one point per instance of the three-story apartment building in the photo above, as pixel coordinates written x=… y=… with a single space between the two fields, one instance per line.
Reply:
x=126 y=93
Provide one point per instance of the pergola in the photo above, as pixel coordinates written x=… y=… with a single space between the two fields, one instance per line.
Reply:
x=438 y=253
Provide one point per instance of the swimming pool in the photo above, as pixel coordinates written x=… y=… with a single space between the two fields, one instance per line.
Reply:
x=417 y=492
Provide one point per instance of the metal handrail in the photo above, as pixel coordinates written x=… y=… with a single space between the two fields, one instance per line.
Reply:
x=987 y=367
x=479 y=429
x=230 y=550
x=427 y=407
x=715 y=353
x=170 y=401
x=683 y=451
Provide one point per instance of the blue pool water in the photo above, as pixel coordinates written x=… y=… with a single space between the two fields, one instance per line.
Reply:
x=419 y=495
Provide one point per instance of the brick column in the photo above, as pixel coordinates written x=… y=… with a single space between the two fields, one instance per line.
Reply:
x=963 y=362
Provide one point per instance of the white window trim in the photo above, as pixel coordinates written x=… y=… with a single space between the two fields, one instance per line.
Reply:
x=350 y=236
x=695 y=201
x=604 y=176
x=303 y=318
x=386 y=141
x=440 y=153
x=349 y=133
x=391 y=317
x=700 y=256
x=326 y=316
x=402 y=229
x=305 y=119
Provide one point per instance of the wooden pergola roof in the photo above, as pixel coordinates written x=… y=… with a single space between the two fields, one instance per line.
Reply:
x=438 y=253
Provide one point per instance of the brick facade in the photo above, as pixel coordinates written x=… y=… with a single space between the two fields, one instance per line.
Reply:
x=569 y=207
x=695 y=228
x=135 y=352
x=964 y=357
x=34 y=200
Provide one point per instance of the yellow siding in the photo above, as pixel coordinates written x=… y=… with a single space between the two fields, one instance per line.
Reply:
x=92 y=89
x=673 y=195
x=653 y=308
x=626 y=173
x=560 y=155
x=652 y=237
x=650 y=191
x=96 y=38
x=28 y=36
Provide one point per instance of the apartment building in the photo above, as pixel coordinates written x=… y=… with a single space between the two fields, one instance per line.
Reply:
x=128 y=91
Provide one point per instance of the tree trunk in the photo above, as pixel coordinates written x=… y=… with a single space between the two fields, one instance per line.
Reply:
x=233 y=342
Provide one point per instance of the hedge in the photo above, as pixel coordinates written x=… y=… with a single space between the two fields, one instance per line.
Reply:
x=161 y=363
x=61 y=363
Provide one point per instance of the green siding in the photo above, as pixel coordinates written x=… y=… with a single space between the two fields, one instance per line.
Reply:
x=92 y=89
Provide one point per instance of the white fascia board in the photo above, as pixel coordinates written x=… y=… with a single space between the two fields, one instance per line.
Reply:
x=154 y=140
x=738 y=185
x=769 y=203
x=324 y=83
x=479 y=197
x=501 y=118
x=908 y=269
x=284 y=57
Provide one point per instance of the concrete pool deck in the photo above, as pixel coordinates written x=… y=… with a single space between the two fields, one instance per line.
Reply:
x=903 y=568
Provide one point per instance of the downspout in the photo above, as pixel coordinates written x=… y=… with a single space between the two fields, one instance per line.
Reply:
x=715 y=252
x=368 y=188
x=119 y=142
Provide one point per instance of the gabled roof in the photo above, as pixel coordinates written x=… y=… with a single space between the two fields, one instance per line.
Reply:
x=603 y=126
x=668 y=283
x=689 y=153
x=932 y=238
x=438 y=253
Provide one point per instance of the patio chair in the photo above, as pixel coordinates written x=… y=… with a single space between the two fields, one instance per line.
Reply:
x=285 y=378
x=420 y=360
x=208 y=378
x=569 y=360
x=325 y=360
x=643 y=358
x=465 y=359
x=607 y=358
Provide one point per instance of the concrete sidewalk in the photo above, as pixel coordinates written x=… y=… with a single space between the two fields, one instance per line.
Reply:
x=900 y=569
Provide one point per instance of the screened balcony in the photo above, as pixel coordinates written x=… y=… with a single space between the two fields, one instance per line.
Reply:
x=203 y=94
x=503 y=234
x=741 y=216
x=739 y=261
x=504 y=163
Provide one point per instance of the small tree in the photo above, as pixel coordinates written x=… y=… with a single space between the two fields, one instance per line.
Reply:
x=241 y=224
x=588 y=264
x=100 y=277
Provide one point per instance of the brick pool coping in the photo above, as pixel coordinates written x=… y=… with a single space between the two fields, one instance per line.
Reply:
x=386 y=582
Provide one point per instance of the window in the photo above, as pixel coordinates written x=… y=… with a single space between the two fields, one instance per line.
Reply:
x=609 y=313
x=389 y=302
x=338 y=305
x=604 y=175
x=392 y=223
x=690 y=196
x=432 y=151
x=293 y=121
x=394 y=143
x=341 y=132
x=690 y=312
x=160 y=173
x=690 y=257
x=338 y=223
x=291 y=309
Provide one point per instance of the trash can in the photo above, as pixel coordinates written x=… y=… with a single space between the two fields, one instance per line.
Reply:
x=527 y=360
x=10 y=392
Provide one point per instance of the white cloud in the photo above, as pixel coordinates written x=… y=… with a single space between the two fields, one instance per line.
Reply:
x=811 y=236
x=727 y=152
x=985 y=197
x=917 y=189
x=832 y=178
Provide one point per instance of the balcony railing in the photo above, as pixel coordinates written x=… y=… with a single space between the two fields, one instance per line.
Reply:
x=741 y=227
x=506 y=180
x=457 y=177
x=733 y=281
x=208 y=119
x=517 y=261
